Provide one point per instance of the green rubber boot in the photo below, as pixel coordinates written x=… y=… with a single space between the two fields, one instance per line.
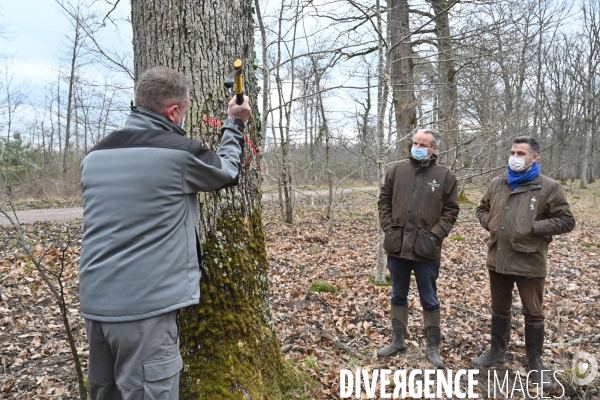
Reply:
x=399 y=323
x=500 y=338
x=433 y=334
x=534 y=345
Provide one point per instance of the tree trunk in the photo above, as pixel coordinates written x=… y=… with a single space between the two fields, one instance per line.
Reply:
x=70 y=98
x=382 y=97
x=324 y=128
x=403 y=86
x=446 y=89
x=363 y=131
x=58 y=114
x=228 y=341
x=286 y=168
x=9 y=119
x=592 y=150
x=328 y=172
x=265 y=82
x=587 y=141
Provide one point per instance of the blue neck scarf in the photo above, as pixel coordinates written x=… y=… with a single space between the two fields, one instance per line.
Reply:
x=514 y=178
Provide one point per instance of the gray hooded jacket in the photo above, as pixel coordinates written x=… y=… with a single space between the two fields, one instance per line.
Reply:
x=140 y=252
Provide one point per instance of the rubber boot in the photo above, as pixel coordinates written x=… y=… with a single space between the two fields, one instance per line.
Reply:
x=500 y=338
x=433 y=334
x=534 y=345
x=399 y=323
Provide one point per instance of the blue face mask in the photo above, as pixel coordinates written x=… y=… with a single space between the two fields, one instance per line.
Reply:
x=419 y=154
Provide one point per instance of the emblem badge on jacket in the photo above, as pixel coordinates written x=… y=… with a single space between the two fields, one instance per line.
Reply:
x=433 y=185
x=532 y=203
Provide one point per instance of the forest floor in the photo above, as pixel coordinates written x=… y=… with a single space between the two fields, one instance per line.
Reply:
x=324 y=333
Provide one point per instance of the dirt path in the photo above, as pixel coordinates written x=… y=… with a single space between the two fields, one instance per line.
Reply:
x=67 y=214
x=51 y=214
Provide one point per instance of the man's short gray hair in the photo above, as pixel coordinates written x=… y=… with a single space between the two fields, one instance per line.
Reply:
x=436 y=136
x=161 y=87
x=534 y=145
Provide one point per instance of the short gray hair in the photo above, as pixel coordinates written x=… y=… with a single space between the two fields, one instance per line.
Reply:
x=534 y=145
x=436 y=136
x=161 y=87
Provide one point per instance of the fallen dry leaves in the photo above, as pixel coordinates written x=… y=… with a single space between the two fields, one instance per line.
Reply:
x=358 y=315
x=35 y=361
x=35 y=358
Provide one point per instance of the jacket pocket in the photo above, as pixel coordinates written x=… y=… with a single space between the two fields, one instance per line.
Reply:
x=526 y=248
x=427 y=245
x=484 y=221
x=162 y=369
x=392 y=241
x=201 y=255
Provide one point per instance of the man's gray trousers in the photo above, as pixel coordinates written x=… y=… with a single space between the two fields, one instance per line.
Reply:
x=134 y=360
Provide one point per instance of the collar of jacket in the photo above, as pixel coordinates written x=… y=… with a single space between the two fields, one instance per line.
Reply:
x=431 y=161
x=535 y=181
x=140 y=118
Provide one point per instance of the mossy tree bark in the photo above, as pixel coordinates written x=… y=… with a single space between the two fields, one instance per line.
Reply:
x=228 y=341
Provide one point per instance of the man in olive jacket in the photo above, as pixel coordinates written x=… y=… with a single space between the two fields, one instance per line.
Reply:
x=522 y=210
x=418 y=205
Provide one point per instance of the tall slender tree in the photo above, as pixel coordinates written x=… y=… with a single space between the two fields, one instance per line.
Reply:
x=382 y=149
x=588 y=79
x=74 y=12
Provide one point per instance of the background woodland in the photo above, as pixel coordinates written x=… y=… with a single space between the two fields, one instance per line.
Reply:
x=341 y=87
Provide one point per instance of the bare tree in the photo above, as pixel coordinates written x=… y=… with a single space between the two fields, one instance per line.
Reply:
x=75 y=14
x=588 y=78
x=382 y=102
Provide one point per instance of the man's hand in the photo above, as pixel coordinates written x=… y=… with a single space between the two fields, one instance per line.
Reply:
x=242 y=111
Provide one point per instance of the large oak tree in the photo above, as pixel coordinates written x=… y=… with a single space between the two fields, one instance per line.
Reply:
x=228 y=341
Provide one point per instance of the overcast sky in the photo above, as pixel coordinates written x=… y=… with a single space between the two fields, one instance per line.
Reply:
x=37 y=32
x=35 y=28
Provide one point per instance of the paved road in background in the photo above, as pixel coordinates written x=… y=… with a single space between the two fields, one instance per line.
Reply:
x=68 y=214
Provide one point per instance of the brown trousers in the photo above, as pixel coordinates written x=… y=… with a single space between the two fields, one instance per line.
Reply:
x=531 y=291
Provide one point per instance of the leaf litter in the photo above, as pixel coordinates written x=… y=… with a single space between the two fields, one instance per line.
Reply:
x=323 y=333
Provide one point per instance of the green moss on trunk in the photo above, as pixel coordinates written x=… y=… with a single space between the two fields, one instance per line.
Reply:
x=228 y=341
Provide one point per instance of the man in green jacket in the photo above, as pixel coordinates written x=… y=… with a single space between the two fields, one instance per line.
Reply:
x=522 y=210
x=418 y=206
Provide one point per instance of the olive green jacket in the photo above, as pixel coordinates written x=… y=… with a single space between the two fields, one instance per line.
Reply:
x=522 y=222
x=418 y=206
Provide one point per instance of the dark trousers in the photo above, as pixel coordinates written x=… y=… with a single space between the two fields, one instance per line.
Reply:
x=531 y=291
x=426 y=275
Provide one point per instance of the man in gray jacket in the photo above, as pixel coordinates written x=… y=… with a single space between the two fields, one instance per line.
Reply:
x=140 y=253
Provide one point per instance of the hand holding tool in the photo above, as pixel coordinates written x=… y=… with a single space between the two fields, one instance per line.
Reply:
x=236 y=74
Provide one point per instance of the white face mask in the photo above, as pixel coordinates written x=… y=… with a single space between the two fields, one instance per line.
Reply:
x=517 y=164
x=182 y=119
